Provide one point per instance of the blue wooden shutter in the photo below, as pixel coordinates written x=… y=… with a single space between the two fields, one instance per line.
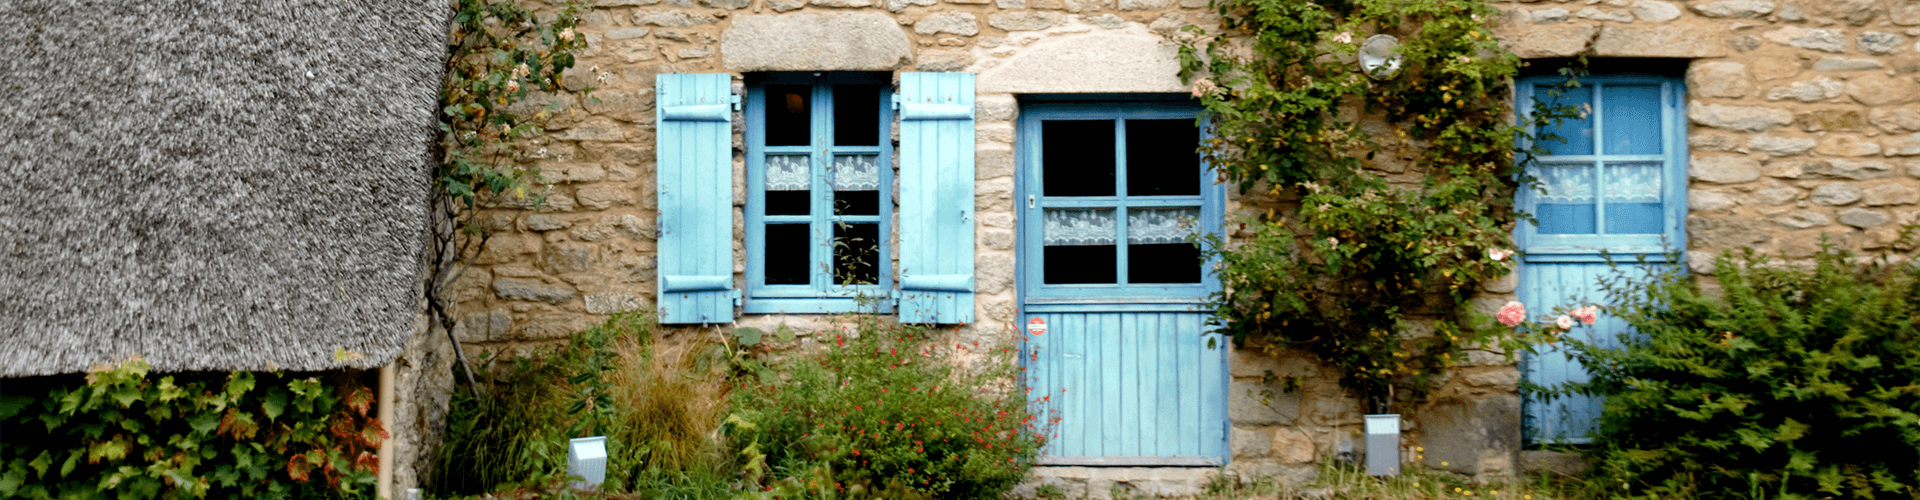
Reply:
x=694 y=161
x=936 y=197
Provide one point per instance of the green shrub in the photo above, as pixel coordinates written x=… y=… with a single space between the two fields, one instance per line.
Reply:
x=882 y=412
x=514 y=427
x=123 y=431
x=1787 y=381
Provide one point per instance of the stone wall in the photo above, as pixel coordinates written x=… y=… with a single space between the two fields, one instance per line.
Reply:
x=1802 y=115
x=1802 y=112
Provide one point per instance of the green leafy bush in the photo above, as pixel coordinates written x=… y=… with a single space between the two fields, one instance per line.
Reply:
x=123 y=431
x=1787 y=381
x=514 y=426
x=881 y=412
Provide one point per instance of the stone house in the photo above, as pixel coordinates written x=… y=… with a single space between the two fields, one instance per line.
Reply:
x=969 y=162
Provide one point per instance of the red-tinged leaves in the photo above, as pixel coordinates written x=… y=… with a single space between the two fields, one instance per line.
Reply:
x=360 y=400
x=115 y=448
x=298 y=468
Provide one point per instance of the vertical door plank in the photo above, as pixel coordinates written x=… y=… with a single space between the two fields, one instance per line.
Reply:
x=694 y=183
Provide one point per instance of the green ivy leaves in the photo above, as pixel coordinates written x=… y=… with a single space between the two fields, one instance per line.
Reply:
x=1380 y=198
x=188 y=435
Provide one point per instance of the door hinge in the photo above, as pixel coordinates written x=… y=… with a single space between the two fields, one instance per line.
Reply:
x=735 y=99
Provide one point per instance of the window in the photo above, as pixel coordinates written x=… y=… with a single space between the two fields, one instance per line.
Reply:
x=1617 y=182
x=820 y=210
x=1112 y=192
x=819 y=181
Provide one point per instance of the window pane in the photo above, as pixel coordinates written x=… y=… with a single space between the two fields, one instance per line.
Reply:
x=1163 y=263
x=786 y=254
x=789 y=115
x=856 y=115
x=1633 y=197
x=1577 y=132
x=1630 y=116
x=788 y=181
x=1077 y=157
x=1079 y=246
x=856 y=254
x=1157 y=247
x=856 y=185
x=1566 y=202
x=1163 y=158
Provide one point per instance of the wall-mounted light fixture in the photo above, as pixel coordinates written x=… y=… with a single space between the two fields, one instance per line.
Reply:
x=1378 y=59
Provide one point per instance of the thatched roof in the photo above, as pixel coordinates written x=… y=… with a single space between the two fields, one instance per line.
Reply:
x=213 y=185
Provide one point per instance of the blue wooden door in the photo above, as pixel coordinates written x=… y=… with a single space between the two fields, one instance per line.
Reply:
x=1612 y=187
x=1110 y=193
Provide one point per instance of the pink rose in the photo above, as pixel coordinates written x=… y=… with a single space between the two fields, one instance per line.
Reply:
x=1564 y=322
x=1512 y=314
x=1588 y=314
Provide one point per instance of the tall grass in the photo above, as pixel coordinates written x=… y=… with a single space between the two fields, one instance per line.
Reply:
x=659 y=411
x=671 y=403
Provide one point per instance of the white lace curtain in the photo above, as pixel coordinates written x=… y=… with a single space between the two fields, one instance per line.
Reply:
x=1098 y=226
x=789 y=173
x=850 y=173
x=1627 y=182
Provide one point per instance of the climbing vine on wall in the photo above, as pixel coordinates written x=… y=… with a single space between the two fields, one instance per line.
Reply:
x=1384 y=199
x=499 y=56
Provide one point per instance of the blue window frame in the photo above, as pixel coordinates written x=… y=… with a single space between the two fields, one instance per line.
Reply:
x=1110 y=192
x=1618 y=182
x=819 y=182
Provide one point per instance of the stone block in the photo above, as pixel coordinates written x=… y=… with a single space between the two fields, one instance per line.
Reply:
x=532 y=289
x=1835 y=194
x=1548 y=16
x=1670 y=40
x=1249 y=442
x=1889 y=194
x=1718 y=79
x=1251 y=403
x=1725 y=232
x=1778 y=195
x=1825 y=40
x=1854 y=12
x=1291 y=446
x=1780 y=146
x=485 y=326
x=1025 y=21
x=1106 y=61
x=1837 y=120
x=958 y=23
x=944 y=60
x=1549 y=41
x=612 y=302
x=503 y=248
x=599 y=197
x=993 y=272
x=545 y=222
x=1855 y=169
x=1744 y=9
x=1747 y=118
x=1847 y=64
x=992 y=161
x=672 y=18
x=1708 y=201
x=1847 y=145
x=1604 y=15
x=1477 y=435
x=599 y=129
x=851 y=41
x=1904 y=13
x=1802 y=219
x=1655 y=11
x=1882 y=90
x=1724 y=169
x=1863 y=218
x=1814 y=90
x=1894 y=119
x=1902 y=146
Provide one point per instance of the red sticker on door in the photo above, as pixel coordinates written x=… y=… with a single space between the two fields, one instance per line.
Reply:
x=1037 y=326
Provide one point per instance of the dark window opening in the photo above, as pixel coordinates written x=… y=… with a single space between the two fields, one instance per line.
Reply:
x=786 y=254
x=1163 y=263
x=1078 y=264
x=1163 y=158
x=856 y=254
x=1078 y=157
